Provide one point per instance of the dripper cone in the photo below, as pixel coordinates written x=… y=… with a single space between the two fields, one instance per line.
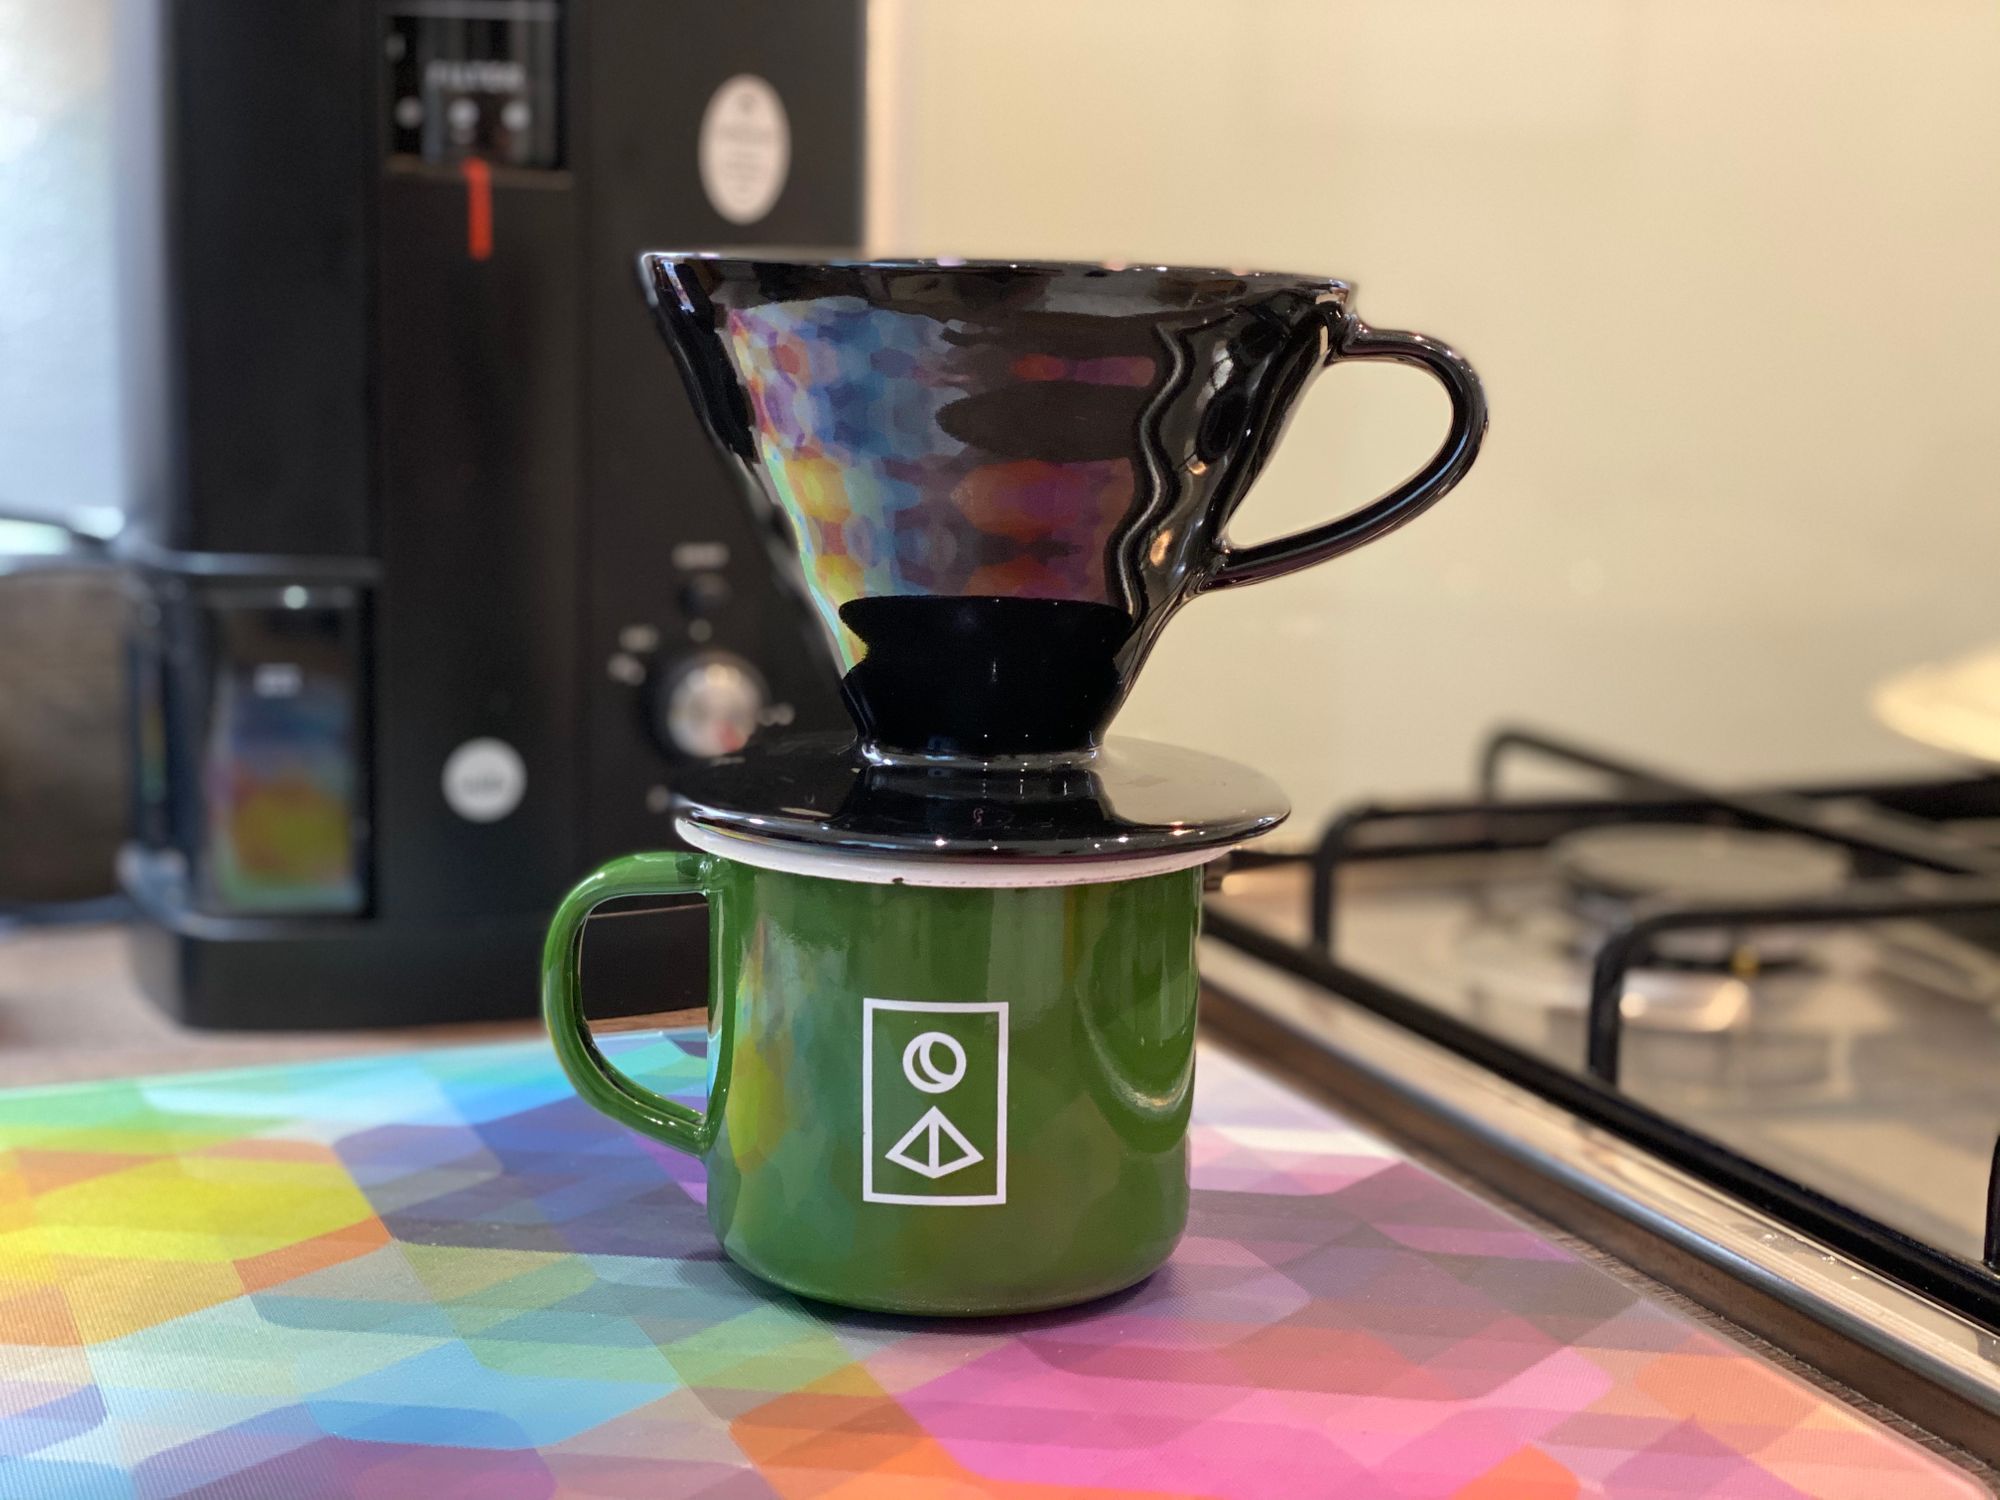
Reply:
x=994 y=482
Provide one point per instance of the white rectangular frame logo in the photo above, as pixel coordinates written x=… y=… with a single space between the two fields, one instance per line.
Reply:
x=996 y=1008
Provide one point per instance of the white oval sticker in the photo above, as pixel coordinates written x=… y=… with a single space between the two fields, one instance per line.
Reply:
x=484 y=780
x=745 y=148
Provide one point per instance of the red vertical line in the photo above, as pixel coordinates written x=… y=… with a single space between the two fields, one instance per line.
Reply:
x=478 y=208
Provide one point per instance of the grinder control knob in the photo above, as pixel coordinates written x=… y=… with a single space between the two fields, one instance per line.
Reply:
x=707 y=705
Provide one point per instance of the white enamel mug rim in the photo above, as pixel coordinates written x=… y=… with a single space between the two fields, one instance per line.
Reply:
x=959 y=874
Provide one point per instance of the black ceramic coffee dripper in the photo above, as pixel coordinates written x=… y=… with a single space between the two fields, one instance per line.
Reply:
x=996 y=481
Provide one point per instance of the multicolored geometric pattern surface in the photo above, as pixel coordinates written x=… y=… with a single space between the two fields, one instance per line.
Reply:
x=440 y=1277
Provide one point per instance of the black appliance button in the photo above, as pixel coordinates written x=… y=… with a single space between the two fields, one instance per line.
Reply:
x=705 y=596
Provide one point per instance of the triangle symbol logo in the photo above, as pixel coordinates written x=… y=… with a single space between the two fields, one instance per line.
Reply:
x=934 y=1147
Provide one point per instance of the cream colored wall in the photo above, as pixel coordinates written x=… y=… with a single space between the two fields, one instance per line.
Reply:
x=1728 y=266
x=56 y=336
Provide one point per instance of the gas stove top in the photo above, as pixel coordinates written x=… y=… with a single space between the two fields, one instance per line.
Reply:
x=1764 y=1025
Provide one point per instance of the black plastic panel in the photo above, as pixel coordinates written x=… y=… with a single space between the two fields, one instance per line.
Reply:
x=480 y=535
x=247 y=199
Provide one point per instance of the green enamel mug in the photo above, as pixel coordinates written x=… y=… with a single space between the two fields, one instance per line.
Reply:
x=932 y=1088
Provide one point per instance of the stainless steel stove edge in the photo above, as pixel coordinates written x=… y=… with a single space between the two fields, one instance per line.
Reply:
x=1958 y=1358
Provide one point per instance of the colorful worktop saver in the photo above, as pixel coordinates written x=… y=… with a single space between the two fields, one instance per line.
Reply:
x=442 y=1276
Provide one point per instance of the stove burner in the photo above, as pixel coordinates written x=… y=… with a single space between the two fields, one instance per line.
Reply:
x=1527 y=958
x=1687 y=862
x=1606 y=872
x=1527 y=981
x=1532 y=962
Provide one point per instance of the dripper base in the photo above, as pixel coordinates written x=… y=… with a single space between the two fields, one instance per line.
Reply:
x=1129 y=799
x=972 y=678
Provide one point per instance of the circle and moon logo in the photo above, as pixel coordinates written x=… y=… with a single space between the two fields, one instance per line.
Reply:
x=920 y=1062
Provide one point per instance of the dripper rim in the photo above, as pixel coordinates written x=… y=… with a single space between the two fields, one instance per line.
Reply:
x=806 y=257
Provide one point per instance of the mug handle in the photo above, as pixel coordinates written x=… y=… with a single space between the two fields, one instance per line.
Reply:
x=602 y=1086
x=1350 y=338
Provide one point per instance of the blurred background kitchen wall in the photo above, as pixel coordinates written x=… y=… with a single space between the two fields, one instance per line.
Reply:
x=62 y=809
x=1728 y=270
x=58 y=412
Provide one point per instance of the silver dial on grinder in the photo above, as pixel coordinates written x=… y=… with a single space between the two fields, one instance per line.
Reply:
x=707 y=705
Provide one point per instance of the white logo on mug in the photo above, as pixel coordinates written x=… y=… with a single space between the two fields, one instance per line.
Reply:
x=934 y=1089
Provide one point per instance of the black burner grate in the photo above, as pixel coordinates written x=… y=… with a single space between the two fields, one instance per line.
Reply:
x=1908 y=866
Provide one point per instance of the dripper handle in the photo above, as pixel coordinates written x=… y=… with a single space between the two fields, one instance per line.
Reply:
x=1350 y=338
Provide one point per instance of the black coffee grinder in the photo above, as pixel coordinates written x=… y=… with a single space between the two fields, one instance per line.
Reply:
x=436 y=597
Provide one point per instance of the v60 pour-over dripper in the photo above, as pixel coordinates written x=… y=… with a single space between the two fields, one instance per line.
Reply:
x=996 y=481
